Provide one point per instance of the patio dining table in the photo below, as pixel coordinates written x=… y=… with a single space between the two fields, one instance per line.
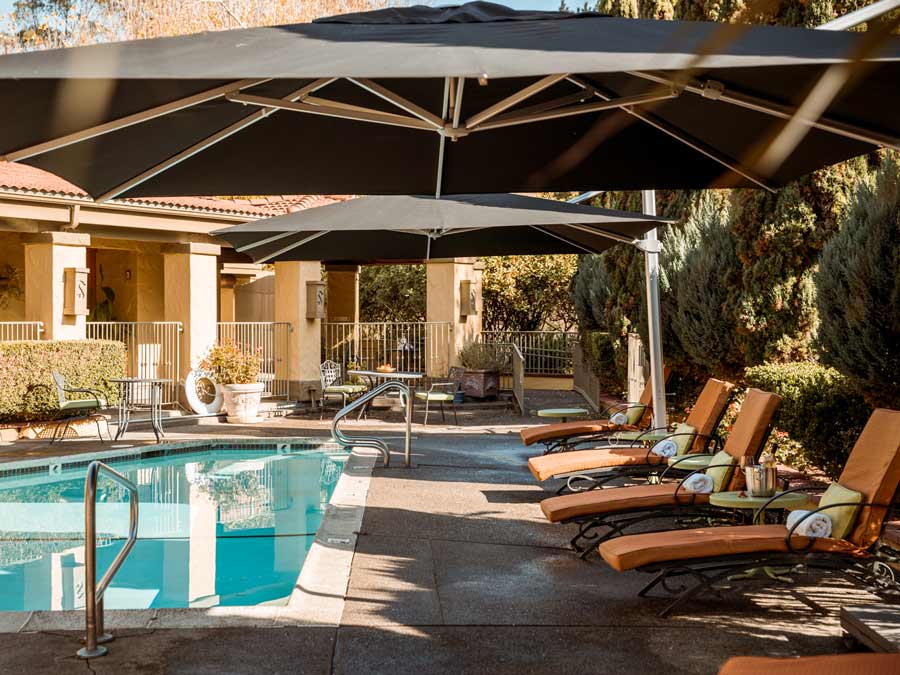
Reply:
x=128 y=387
x=375 y=377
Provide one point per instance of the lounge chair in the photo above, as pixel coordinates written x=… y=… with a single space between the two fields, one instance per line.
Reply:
x=632 y=456
x=558 y=437
x=619 y=509
x=838 y=664
x=729 y=555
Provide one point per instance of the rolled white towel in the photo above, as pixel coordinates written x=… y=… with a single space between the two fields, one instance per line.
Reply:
x=665 y=448
x=699 y=483
x=619 y=418
x=817 y=525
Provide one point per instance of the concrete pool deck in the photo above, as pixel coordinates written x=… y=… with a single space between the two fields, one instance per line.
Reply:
x=454 y=571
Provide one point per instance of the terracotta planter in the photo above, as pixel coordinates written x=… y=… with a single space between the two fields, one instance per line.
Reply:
x=480 y=383
x=242 y=402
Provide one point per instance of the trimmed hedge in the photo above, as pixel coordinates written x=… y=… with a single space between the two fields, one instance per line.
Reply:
x=27 y=391
x=821 y=413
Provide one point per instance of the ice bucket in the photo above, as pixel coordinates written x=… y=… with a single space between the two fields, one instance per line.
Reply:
x=762 y=481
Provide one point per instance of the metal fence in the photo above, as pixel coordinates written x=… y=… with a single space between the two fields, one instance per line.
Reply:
x=512 y=373
x=152 y=350
x=11 y=331
x=273 y=341
x=545 y=352
x=415 y=346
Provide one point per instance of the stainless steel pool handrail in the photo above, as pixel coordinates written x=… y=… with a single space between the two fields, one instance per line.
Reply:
x=94 y=590
x=371 y=441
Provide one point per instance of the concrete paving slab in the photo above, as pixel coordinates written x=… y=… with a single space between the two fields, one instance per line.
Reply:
x=392 y=581
x=227 y=651
x=538 y=649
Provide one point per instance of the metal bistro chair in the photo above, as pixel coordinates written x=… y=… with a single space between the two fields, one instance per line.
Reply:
x=333 y=386
x=440 y=392
x=85 y=408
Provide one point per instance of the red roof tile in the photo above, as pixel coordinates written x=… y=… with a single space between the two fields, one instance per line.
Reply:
x=25 y=179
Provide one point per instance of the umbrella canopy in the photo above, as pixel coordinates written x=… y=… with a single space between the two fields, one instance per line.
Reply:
x=421 y=100
x=400 y=228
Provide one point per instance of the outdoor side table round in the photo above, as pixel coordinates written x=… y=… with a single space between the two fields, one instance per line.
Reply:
x=733 y=500
x=563 y=414
x=127 y=386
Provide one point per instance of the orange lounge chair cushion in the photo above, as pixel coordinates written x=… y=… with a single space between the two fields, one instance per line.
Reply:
x=597 y=502
x=548 y=466
x=638 y=550
x=553 y=432
x=839 y=664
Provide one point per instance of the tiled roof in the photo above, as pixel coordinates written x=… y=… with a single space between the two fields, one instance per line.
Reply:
x=25 y=179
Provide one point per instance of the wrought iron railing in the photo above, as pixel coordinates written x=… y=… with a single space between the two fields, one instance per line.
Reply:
x=11 y=331
x=512 y=376
x=152 y=350
x=412 y=346
x=273 y=341
x=545 y=352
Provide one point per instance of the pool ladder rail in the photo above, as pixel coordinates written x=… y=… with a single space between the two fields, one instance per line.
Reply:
x=379 y=444
x=95 y=636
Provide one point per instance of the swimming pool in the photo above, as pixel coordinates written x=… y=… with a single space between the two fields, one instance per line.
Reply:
x=220 y=524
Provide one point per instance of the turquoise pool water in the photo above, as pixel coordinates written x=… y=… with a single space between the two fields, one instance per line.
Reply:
x=224 y=526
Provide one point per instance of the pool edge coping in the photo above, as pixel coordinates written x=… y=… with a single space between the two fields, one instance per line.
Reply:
x=317 y=599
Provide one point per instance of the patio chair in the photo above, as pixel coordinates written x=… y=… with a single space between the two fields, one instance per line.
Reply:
x=833 y=664
x=627 y=454
x=333 y=386
x=734 y=555
x=77 y=409
x=440 y=392
x=558 y=437
x=619 y=509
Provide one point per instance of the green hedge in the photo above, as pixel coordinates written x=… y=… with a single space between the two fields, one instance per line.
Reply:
x=27 y=391
x=600 y=352
x=820 y=412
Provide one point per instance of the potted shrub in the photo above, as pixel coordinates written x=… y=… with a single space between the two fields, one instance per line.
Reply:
x=482 y=363
x=236 y=371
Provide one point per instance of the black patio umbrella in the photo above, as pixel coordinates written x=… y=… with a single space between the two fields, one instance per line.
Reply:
x=401 y=228
x=530 y=101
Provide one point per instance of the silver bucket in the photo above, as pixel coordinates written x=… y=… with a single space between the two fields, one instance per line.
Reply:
x=762 y=481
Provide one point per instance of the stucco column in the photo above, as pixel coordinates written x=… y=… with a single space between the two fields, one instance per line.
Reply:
x=192 y=284
x=47 y=255
x=343 y=293
x=226 y=298
x=306 y=337
x=444 y=304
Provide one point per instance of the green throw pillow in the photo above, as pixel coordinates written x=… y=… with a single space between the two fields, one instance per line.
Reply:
x=843 y=518
x=684 y=442
x=634 y=414
x=722 y=465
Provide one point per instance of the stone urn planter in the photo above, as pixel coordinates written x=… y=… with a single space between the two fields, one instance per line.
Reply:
x=242 y=402
x=481 y=366
x=236 y=370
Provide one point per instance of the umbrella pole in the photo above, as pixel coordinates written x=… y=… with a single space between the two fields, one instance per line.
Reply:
x=650 y=246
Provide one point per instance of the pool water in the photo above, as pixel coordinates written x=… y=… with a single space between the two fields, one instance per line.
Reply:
x=217 y=527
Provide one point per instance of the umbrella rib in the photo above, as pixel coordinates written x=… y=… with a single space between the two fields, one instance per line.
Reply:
x=207 y=142
x=445 y=107
x=561 y=238
x=290 y=247
x=683 y=137
x=513 y=99
x=129 y=120
x=621 y=238
x=624 y=102
x=399 y=101
x=339 y=110
x=716 y=91
x=263 y=242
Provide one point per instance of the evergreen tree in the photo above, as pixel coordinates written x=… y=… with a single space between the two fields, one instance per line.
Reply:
x=859 y=290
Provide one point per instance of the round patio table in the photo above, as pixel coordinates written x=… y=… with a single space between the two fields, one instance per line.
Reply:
x=127 y=388
x=563 y=414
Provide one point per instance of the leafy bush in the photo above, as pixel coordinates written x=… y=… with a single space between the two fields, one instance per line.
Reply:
x=599 y=350
x=820 y=411
x=27 y=391
x=484 y=356
x=859 y=290
x=230 y=364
